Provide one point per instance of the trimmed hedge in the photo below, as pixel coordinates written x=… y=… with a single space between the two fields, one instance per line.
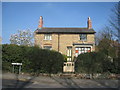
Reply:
x=96 y=62
x=34 y=59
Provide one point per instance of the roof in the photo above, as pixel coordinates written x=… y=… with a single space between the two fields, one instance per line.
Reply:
x=64 y=30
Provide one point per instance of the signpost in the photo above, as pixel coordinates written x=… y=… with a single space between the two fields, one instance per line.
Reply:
x=16 y=64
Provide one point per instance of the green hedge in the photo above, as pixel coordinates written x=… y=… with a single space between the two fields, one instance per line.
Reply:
x=34 y=59
x=96 y=62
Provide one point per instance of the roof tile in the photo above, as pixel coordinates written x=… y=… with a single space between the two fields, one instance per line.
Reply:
x=64 y=30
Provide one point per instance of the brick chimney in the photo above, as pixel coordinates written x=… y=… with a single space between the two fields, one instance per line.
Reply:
x=89 y=23
x=40 y=22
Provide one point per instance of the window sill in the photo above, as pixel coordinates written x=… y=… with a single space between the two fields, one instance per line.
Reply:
x=83 y=40
x=47 y=39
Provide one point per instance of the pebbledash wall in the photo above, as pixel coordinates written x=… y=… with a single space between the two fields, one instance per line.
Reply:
x=68 y=41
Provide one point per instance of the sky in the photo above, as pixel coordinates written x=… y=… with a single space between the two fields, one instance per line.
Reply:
x=25 y=15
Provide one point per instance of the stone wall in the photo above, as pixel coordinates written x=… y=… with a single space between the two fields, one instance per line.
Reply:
x=64 y=41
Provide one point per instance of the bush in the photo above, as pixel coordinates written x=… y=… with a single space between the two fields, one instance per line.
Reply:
x=45 y=61
x=89 y=62
x=65 y=58
x=10 y=54
x=96 y=62
x=34 y=59
x=116 y=66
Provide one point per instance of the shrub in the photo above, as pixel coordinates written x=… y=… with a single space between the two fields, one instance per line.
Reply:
x=89 y=63
x=96 y=62
x=34 y=59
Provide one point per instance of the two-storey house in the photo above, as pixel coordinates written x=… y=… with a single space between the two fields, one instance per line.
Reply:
x=68 y=41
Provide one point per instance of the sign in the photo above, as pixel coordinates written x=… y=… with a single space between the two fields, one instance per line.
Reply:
x=16 y=63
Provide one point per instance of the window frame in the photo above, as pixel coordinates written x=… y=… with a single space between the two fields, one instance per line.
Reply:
x=48 y=48
x=83 y=37
x=81 y=50
x=47 y=36
x=69 y=53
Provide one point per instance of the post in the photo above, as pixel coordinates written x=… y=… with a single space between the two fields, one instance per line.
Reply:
x=58 y=42
x=19 y=69
x=13 y=69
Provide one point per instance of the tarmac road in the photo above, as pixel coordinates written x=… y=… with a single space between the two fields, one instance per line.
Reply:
x=23 y=81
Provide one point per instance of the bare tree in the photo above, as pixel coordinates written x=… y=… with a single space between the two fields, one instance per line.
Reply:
x=115 y=21
x=105 y=32
x=23 y=37
x=111 y=31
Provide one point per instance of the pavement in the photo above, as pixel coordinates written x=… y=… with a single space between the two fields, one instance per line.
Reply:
x=10 y=80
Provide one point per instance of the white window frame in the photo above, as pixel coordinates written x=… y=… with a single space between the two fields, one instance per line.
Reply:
x=47 y=36
x=48 y=48
x=82 y=50
x=69 y=53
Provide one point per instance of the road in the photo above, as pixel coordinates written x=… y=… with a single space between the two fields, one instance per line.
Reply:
x=23 y=81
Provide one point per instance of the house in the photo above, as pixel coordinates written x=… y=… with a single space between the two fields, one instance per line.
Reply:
x=68 y=41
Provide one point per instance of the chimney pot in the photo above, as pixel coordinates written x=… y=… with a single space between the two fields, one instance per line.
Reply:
x=88 y=18
x=40 y=22
x=89 y=23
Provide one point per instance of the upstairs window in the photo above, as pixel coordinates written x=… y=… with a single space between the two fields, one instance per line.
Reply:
x=47 y=37
x=83 y=37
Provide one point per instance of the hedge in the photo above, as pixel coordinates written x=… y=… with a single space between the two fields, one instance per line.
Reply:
x=96 y=62
x=34 y=59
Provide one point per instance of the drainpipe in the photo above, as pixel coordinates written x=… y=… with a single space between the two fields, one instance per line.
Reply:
x=58 y=42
